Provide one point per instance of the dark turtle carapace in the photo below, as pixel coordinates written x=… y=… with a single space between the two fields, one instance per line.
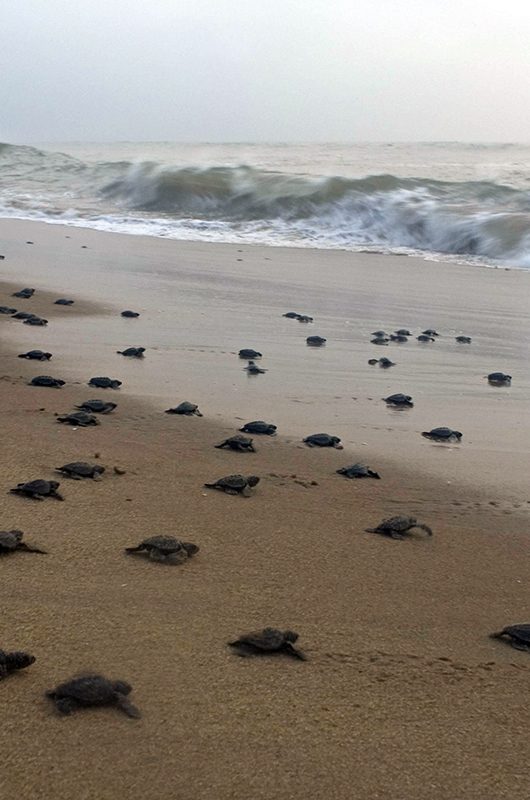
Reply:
x=248 y=352
x=423 y=337
x=132 y=352
x=241 y=444
x=130 y=314
x=47 y=380
x=316 y=341
x=186 y=408
x=403 y=332
x=10 y=541
x=23 y=315
x=253 y=369
x=381 y=340
x=38 y=489
x=165 y=549
x=258 y=426
x=35 y=320
x=358 y=471
x=7 y=310
x=518 y=636
x=399 y=527
x=383 y=362
x=97 y=406
x=235 y=484
x=80 y=419
x=463 y=339
x=399 y=400
x=266 y=642
x=322 y=440
x=443 y=434
x=399 y=337
x=81 y=469
x=36 y=355
x=13 y=661
x=104 y=383
x=430 y=332
x=304 y=318
x=92 y=690
x=24 y=293
x=63 y=301
x=499 y=379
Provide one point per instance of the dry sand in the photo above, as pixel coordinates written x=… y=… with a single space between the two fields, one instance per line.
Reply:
x=404 y=696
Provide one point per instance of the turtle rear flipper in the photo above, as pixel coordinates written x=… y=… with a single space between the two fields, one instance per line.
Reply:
x=125 y=705
x=28 y=549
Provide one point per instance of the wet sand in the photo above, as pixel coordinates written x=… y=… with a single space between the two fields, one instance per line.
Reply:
x=404 y=696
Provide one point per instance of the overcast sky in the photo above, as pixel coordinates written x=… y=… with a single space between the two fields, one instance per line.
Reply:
x=264 y=70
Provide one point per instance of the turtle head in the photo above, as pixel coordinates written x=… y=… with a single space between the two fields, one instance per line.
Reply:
x=19 y=660
x=122 y=687
x=54 y=485
x=290 y=636
x=252 y=480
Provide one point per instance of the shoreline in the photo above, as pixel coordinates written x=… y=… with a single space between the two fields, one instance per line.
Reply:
x=402 y=678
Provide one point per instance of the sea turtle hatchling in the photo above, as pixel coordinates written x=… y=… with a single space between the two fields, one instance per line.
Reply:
x=92 y=690
x=430 y=332
x=253 y=369
x=104 y=383
x=24 y=293
x=38 y=489
x=399 y=337
x=7 y=310
x=379 y=335
x=13 y=661
x=12 y=540
x=518 y=635
x=63 y=301
x=267 y=641
x=130 y=314
x=36 y=355
x=35 y=320
x=399 y=527
x=423 y=337
x=185 y=408
x=80 y=419
x=248 y=352
x=235 y=484
x=358 y=471
x=242 y=444
x=463 y=339
x=132 y=352
x=322 y=440
x=291 y=315
x=399 y=400
x=304 y=318
x=316 y=341
x=81 y=469
x=258 y=426
x=403 y=332
x=381 y=340
x=499 y=379
x=165 y=549
x=46 y=380
x=23 y=315
x=443 y=435
x=98 y=406
x=385 y=363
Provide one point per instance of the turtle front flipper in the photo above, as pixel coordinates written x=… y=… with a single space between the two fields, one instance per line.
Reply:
x=518 y=645
x=229 y=490
x=28 y=549
x=65 y=705
x=425 y=528
x=289 y=650
x=55 y=495
x=125 y=705
x=157 y=555
x=395 y=535
x=176 y=558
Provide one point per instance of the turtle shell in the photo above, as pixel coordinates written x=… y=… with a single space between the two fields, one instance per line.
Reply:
x=46 y=380
x=357 y=471
x=315 y=341
x=9 y=540
x=443 y=433
x=34 y=320
x=89 y=690
x=81 y=418
x=39 y=486
x=36 y=355
x=82 y=468
x=130 y=314
x=62 y=301
x=322 y=440
x=168 y=544
x=7 y=310
x=248 y=352
x=97 y=406
x=268 y=640
x=399 y=399
x=104 y=383
x=185 y=408
x=499 y=377
x=237 y=482
x=258 y=426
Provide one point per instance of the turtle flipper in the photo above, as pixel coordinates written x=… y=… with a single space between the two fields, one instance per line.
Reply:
x=228 y=490
x=520 y=645
x=125 y=705
x=395 y=535
x=65 y=705
x=176 y=558
x=294 y=652
x=425 y=528
x=157 y=555
x=242 y=649
x=56 y=496
x=28 y=549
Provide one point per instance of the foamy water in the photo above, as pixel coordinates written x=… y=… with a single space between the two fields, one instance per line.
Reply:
x=448 y=201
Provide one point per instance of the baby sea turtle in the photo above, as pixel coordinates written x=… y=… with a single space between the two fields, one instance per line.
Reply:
x=269 y=640
x=80 y=469
x=401 y=400
x=379 y=335
x=399 y=337
x=34 y=320
x=105 y=383
x=499 y=379
x=186 y=408
x=518 y=635
x=253 y=369
x=398 y=527
x=36 y=355
x=258 y=426
x=80 y=419
x=25 y=293
x=62 y=301
x=358 y=471
x=132 y=352
x=383 y=362
x=92 y=690
x=235 y=484
x=382 y=340
x=291 y=315
x=165 y=549
x=316 y=341
x=463 y=339
x=442 y=435
x=97 y=406
x=23 y=315
x=322 y=440
x=46 y=380
x=12 y=540
x=38 y=489
x=430 y=332
x=248 y=352
x=241 y=444
x=403 y=332
x=130 y=314
x=424 y=338
x=11 y=662
x=304 y=318
x=7 y=310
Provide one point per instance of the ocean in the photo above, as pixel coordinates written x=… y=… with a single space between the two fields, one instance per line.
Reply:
x=445 y=201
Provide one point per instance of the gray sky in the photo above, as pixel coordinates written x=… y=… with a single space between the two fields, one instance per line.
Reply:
x=265 y=70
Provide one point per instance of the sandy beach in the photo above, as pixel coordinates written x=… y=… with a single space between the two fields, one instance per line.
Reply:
x=403 y=696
